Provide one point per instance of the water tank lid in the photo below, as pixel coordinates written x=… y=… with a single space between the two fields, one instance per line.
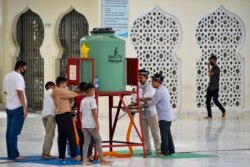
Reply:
x=102 y=30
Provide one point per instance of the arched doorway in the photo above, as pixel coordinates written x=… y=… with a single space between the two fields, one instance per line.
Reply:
x=30 y=35
x=73 y=27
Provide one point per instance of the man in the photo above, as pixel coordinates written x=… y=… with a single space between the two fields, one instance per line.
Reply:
x=149 y=115
x=213 y=87
x=161 y=100
x=16 y=107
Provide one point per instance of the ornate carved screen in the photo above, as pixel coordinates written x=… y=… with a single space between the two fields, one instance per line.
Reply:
x=221 y=33
x=155 y=37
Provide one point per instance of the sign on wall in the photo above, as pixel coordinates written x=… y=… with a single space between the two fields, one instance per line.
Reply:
x=115 y=15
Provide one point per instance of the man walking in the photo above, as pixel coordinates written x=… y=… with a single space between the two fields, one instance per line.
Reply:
x=16 y=107
x=213 y=87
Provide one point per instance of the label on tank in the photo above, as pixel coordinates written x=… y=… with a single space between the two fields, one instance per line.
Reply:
x=115 y=58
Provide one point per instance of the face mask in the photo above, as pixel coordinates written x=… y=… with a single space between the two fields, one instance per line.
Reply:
x=212 y=63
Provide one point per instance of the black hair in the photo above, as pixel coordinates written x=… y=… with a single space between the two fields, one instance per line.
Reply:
x=49 y=84
x=82 y=86
x=60 y=80
x=20 y=64
x=89 y=86
x=213 y=57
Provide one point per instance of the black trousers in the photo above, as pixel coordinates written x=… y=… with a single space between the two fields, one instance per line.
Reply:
x=81 y=141
x=215 y=95
x=65 y=131
x=167 y=144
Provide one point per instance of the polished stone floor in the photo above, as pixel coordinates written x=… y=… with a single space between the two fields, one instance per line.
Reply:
x=216 y=142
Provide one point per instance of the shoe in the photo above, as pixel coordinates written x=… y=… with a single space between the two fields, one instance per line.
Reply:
x=46 y=156
x=223 y=114
x=207 y=117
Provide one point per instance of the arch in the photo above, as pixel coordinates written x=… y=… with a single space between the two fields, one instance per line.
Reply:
x=156 y=36
x=221 y=33
x=72 y=27
x=29 y=36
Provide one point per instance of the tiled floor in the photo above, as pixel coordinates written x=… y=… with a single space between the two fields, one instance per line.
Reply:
x=223 y=142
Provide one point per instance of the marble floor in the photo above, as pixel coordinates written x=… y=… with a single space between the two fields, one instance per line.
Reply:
x=217 y=142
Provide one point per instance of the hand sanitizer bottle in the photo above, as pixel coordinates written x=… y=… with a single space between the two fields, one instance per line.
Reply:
x=96 y=82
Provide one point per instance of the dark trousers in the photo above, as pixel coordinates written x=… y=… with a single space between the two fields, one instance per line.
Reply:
x=65 y=131
x=215 y=95
x=15 y=122
x=167 y=144
x=81 y=141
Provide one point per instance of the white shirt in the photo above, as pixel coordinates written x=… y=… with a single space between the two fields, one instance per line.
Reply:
x=88 y=104
x=12 y=82
x=146 y=90
x=48 y=104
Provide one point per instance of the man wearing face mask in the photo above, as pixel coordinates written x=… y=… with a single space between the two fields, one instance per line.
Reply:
x=16 y=107
x=213 y=87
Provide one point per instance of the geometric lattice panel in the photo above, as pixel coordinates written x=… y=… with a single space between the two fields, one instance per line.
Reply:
x=221 y=33
x=30 y=35
x=155 y=37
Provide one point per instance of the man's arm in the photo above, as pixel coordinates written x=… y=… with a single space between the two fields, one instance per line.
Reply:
x=67 y=94
x=210 y=71
x=21 y=97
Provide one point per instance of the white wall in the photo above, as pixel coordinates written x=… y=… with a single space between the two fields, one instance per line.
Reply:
x=188 y=12
x=1 y=42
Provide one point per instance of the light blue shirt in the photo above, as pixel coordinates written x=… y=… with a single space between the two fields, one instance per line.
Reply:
x=161 y=100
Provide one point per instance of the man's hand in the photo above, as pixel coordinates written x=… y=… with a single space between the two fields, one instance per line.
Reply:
x=25 y=112
x=97 y=128
x=145 y=99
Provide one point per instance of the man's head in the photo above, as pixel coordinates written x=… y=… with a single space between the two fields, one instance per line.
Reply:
x=90 y=89
x=82 y=87
x=50 y=85
x=61 y=82
x=157 y=80
x=143 y=76
x=21 y=67
x=212 y=60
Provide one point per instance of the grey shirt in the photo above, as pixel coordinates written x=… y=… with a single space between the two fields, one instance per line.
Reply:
x=215 y=78
x=161 y=99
